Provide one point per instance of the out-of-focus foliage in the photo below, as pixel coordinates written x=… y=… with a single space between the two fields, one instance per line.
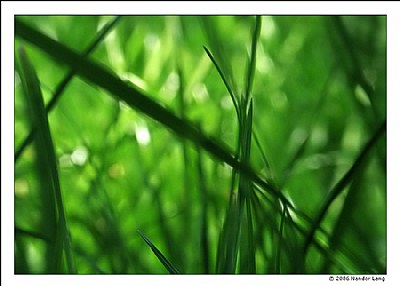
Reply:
x=319 y=95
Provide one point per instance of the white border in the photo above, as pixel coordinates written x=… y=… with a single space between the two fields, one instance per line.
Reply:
x=198 y=7
x=9 y=9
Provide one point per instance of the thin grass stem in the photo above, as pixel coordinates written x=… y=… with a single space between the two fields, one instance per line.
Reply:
x=171 y=268
x=224 y=79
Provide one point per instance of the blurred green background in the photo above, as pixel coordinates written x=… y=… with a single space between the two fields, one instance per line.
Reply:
x=319 y=93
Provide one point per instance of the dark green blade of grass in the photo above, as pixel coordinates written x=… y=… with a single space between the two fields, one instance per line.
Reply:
x=156 y=192
x=98 y=75
x=245 y=116
x=165 y=229
x=280 y=242
x=343 y=182
x=344 y=218
x=252 y=61
x=224 y=79
x=246 y=126
x=247 y=248
x=263 y=155
x=219 y=49
x=244 y=223
x=30 y=233
x=171 y=269
x=64 y=83
x=231 y=233
x=53 y=210
x=228 y=245
x=293 y=159
x=346 y=222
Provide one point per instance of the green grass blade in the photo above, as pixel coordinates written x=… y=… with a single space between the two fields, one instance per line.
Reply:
x=31 y=233
x=252 y=62
x=237 y=238
x=219 y=49
x=98 y=75
x=293 y=159
x=343 y=182
x=224 y=79
x=280 y=243
x=64 y=83
x=53 y=210
x=171 y=269
x=228 y=246
x=262 y=153
x=247 y=247
x=344 y=219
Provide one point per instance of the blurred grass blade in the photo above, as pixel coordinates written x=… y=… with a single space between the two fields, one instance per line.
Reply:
x=204 y=222
x=228 y=246
x=53 y=217
x=280 y=243
x=344 y=220
x=293 y=159
x=98 y=75
x=171 y=269
x=219 y=49
x=343 y=182
x=18 y=231
x=64 y=83
x=252 y=62
x=247 y=247
x=266 y=161
x=224 y=79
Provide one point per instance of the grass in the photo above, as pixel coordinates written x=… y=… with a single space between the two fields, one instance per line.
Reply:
x=53 y=222
x=64 y=83
x=239 y=210
x=341 y=184
x=211 y=203
x=171 y=269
